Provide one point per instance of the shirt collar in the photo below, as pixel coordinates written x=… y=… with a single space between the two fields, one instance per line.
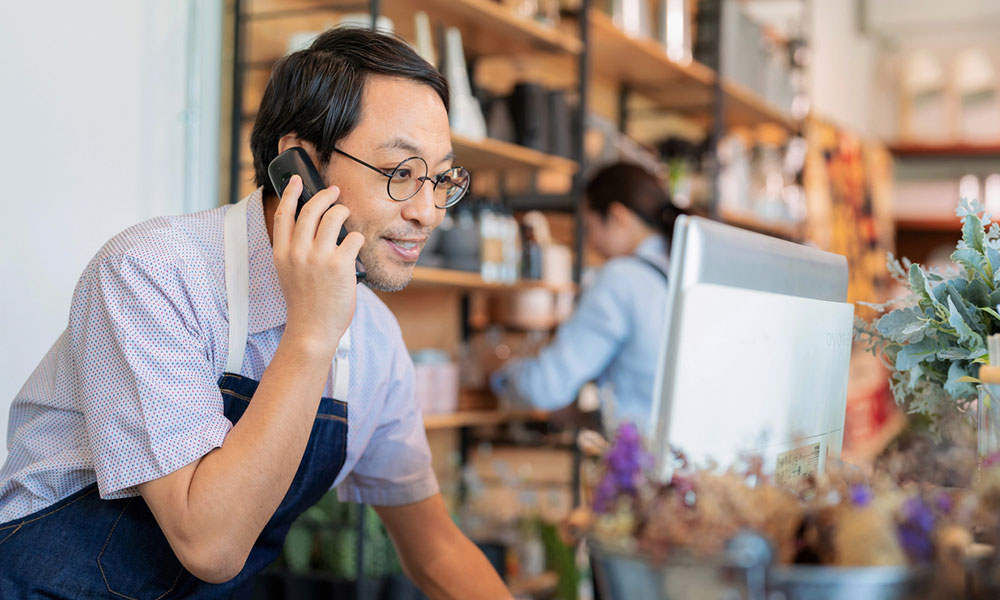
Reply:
x=654 y=248
x=267 y=302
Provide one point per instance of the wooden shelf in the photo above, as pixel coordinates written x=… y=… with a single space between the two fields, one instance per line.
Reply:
x=778 y=229
x=488 y=28
x=944 y=224
x=912 y=149
x=472 y=418
x=467 y=280
x=489 y=154
x=686 y=88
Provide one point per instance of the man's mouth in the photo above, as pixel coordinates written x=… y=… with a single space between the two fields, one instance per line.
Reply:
x=407 y=249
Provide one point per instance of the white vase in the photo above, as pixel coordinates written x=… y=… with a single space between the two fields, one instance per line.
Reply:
x=466 y=115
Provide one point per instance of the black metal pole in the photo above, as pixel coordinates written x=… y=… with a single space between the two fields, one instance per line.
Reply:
x=583 y=89
x=624 y=92
x=714 y=10
x=236 y=134
x=374 y=7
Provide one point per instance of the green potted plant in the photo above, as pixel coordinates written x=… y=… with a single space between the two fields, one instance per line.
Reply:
x=934 y=338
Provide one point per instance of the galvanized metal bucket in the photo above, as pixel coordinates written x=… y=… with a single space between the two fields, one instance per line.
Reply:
x=744 y=572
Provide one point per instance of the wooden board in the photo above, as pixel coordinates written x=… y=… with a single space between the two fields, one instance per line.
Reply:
x=429 y=277
x=488 y=28
x=481 y=418
x=687 y=88
x=490 y=154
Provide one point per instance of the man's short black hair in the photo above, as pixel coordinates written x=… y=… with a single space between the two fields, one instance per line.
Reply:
x=316 y=92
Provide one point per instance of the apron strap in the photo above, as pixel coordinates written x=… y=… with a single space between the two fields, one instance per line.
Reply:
x=342 y=367
x=237 y=283
x=238 y=298
x=652 y=265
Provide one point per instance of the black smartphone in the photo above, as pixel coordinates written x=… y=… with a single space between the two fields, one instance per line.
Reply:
x=295 y=161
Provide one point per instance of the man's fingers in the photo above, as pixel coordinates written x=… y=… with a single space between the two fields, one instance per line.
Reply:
x=284 y=215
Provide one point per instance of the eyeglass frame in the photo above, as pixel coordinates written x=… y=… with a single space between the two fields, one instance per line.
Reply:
x=423 y=179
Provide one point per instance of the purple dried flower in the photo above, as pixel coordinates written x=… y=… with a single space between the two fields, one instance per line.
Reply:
x=625 y=461
x=916 y=530
x=861 y=495
x=944 y=503
x=605 y=494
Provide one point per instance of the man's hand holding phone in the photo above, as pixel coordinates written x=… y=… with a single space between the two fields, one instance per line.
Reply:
x=317 y=274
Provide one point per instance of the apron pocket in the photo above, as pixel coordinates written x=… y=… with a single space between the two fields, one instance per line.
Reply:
x=136 y=560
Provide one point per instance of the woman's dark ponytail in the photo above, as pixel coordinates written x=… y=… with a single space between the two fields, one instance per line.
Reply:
x=638 y=190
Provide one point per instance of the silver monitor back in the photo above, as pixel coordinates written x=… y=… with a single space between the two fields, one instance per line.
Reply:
x=756 y=350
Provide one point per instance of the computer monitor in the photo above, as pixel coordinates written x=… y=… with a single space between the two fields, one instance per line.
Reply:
x=755 y=353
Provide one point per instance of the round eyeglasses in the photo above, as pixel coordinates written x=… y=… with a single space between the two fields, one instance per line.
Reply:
x=409 y=176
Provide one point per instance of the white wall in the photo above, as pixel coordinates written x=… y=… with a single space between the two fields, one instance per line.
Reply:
x=109 y=116
x=841 y=72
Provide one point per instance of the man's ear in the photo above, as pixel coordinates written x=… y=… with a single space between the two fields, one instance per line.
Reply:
x=291 y=140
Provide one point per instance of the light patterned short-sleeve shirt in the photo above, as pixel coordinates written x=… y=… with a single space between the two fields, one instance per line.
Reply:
x=129 y=391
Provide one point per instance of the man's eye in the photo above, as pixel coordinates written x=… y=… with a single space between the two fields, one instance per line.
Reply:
x=403 y=174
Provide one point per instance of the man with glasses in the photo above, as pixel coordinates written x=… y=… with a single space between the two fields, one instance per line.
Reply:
x=221 y=371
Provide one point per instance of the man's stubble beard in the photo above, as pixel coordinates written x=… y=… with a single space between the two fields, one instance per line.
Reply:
x=382 y=277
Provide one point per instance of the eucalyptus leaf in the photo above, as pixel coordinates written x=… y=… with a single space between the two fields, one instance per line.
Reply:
x=966 y=336
x=903 y=325
x=950 y=354
x=955 y=386
x=973 y=234
x=894 y=267
x=993 y=255
x=968 y=311
x=977 y=293
x=967 y=207
x=971 y=260
x=916 y=375
x=911 y=355
x=993 y=233
x=920 y=287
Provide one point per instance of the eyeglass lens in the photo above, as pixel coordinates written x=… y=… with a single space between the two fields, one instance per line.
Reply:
x=408 y=177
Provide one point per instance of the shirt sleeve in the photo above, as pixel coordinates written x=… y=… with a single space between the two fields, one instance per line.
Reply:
x=395 y=467
x=147 y=386
x=582 y=349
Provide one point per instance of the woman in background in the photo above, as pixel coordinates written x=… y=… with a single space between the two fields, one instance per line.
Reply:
x=614 y=335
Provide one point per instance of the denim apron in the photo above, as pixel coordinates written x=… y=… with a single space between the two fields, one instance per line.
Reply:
x=86 y=547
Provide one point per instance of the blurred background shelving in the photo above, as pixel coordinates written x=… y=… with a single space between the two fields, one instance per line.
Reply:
x=724 y=117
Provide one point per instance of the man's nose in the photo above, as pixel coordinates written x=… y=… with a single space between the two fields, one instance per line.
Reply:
x=421 y=208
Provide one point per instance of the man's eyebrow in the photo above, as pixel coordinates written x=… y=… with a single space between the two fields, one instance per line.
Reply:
x=448 y=157
x=404 y=144
x=400 y=144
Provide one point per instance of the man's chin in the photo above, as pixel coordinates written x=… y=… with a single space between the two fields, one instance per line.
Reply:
x=389 y=279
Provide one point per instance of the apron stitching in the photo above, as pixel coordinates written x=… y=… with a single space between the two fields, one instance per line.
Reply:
x=176 y=579
x=50 y=512
x=240 y=396
x=16 y=529
x=105 y=547
x=332 y=418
